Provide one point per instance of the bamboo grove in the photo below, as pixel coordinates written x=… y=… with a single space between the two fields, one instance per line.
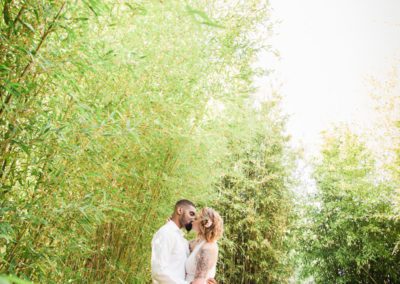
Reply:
x=112 y=110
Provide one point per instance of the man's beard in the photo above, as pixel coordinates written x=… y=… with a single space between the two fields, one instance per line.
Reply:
x=188 y=226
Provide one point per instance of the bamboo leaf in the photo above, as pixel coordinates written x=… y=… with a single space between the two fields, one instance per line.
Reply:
x=27 y=25
x=4 y=68
x=202 y=15
x=22 y=146
x=6 y=237
x=6 y=13
x=137 y=8
x=11 y=279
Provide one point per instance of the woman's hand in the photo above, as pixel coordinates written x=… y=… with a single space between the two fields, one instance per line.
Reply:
x=202 y=281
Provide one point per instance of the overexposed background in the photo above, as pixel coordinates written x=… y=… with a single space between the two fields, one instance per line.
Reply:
x=329 y=50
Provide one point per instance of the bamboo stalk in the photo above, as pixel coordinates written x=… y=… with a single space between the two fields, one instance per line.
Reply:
x=31 y=61
x=14 y=248
x=17 y=18
x=8 y=149
x=43 y=38
x=373 y=280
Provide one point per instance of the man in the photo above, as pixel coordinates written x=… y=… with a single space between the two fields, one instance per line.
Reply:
x=170 y=249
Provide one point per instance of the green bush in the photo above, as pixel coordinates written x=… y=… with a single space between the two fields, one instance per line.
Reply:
x=256 y=201
x=350 y=233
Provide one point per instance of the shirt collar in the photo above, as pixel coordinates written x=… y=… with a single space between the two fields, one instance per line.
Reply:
x=175 y=227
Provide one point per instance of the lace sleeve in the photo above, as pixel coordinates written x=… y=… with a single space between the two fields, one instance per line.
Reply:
x=205 y=261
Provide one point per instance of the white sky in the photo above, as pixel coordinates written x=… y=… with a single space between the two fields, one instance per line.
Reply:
x=328 y=49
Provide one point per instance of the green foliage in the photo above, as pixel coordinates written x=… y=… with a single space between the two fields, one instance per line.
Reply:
x=349 y=233
x=12 y=280
x=386 y=133
x=105 y=121
x=255 y=200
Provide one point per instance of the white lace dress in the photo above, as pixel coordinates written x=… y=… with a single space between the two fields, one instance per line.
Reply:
x=191 y=263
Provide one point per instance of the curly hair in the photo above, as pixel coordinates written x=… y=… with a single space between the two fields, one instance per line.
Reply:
x=211 y=225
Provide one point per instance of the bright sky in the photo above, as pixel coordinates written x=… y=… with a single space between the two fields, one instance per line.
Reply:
x=328 y=50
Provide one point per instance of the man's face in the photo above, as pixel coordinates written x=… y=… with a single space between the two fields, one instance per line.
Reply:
x=188 y=214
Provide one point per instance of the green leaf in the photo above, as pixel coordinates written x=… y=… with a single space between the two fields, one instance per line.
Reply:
x=206 y=20
x=137 y=8
x=22 y=146
x=27 y=25
x=4 y=68
x=11 y=279
x=6 y=13
x=6 y=237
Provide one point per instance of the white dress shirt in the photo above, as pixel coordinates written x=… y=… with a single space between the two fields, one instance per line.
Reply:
x=169 y=251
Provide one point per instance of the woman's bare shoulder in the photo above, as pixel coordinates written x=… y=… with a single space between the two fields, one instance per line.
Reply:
x=211 y=245
x=211 y=248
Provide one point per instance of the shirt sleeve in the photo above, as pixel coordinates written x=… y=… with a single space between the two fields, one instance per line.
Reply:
x=161 y=250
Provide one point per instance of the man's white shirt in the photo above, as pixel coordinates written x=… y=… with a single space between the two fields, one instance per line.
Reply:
x=169 y=251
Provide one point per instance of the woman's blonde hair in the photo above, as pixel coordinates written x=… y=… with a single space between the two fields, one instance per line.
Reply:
x=211 y=225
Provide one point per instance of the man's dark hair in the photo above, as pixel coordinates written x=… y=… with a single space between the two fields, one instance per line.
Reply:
x=184 y=202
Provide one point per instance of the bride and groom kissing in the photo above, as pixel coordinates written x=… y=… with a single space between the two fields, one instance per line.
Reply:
x=174 y=260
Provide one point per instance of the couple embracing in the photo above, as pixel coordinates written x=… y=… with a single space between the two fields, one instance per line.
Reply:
x=174 y=260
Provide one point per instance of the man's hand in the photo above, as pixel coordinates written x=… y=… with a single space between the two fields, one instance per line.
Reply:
x=212 y=281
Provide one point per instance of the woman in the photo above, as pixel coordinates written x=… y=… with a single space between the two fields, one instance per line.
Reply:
x=201 y=263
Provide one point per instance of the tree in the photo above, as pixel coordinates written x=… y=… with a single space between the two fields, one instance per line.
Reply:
x=350 y=233
x=386 y=131
x=255 y=200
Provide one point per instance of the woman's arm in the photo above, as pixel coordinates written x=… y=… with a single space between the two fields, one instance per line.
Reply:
x=205 y=260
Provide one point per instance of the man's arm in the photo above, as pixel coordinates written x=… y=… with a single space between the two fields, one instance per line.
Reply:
x=161 y=250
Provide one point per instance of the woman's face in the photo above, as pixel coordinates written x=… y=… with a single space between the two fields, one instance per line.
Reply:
x=196 y=224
